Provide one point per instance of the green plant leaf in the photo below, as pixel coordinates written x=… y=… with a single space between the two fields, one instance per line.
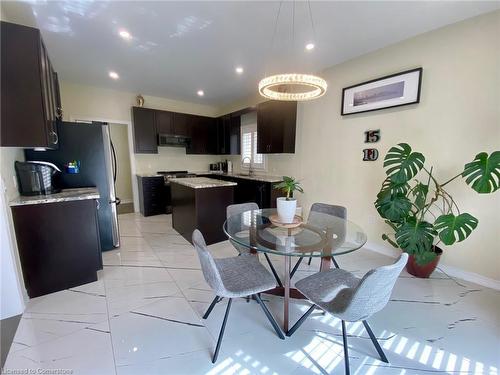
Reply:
x=453 y=228
x=424 y=258
x=390 y=187
x=402 y=164
x=394 y=207
x=415 y=237
x=483 y=173
x=420 y=193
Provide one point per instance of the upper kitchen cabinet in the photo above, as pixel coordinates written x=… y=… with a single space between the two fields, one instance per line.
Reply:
x=29 y=90
x=228 y=135
x=164 y=122
x=145 y=134
x=181 y=124
x=203 y=132
x=276 y=126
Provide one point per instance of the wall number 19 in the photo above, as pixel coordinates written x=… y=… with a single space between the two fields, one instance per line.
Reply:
x=372 y=136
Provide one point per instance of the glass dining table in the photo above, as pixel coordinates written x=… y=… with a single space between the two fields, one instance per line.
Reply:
x=322 y=235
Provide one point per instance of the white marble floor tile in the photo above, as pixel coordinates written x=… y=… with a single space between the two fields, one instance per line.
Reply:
x=128 y=228
x=85 y=352
x=180 y=261
x=138 y=338
x=124 y=298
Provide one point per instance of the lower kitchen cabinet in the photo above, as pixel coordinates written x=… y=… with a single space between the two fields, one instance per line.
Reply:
x=260 y=192
x=58 y=245
x=153 y=195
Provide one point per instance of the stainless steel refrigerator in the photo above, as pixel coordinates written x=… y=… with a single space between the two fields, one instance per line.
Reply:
x=91 y=147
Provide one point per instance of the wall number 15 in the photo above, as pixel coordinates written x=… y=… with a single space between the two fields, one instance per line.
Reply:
x=372 y=136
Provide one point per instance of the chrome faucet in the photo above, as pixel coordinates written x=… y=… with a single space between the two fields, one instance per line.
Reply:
x=250 y=168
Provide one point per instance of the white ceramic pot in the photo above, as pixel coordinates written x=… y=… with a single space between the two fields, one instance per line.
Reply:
x=286 y=209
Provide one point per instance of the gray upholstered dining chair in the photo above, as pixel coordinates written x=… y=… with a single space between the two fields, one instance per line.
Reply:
x=329 y=209
x=350 y=298
x=238 y=209
x=234 y=277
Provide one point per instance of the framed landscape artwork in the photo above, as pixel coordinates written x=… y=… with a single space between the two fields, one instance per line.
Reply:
x=390 y=91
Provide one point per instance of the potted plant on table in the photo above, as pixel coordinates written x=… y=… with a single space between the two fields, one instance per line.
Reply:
x=421 y=213
x=287 y=205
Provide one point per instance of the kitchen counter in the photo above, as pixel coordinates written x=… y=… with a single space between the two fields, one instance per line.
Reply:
x=65 y=195
x=201 y=182
x=256 y=177
x=149 y=175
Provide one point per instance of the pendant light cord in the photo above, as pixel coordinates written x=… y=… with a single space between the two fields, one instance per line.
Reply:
x=312 y=21
x=274 y=34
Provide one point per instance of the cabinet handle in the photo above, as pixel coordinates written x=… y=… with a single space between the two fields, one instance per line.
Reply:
x=56 y=137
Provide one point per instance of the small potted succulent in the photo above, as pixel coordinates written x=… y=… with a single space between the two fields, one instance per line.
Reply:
x=421 y=213
x=287 y=205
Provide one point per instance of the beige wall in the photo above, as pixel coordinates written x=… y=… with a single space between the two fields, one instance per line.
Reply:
x=458 y=116
x=123 y=185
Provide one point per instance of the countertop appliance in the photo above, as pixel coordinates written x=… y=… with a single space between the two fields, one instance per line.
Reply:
x=91 y=147
x=168 y=175
x=36 y=177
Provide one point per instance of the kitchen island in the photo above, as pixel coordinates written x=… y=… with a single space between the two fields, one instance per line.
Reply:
x=200 y=203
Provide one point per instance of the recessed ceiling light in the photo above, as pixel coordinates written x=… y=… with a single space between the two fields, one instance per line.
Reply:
x=239 y=70
x=114 y=75
x=125 y=34
x=309 y=46
x=200 y=93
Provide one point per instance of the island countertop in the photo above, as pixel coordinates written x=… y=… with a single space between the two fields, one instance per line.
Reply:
x=253 y=177
x=65 y=195
x=201 y=182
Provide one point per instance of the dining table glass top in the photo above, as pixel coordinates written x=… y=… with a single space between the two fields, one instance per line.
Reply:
x=321 y=235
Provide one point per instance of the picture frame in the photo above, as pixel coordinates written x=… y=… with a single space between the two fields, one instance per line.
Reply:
x=390 y=91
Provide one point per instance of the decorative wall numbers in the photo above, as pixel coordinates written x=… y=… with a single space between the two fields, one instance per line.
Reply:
x=370 y=154
x=371 y=136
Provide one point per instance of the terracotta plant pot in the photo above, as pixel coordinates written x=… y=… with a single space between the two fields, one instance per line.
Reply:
x=423 y=271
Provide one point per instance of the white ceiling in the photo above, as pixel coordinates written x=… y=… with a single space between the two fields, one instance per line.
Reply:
x=181 y=47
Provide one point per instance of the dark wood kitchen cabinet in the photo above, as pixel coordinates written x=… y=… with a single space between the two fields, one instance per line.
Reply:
x=228 y=135
x=153 y=195
x=203 y=133
x=164 y=121
x=181 y=122
x=58 y=244
x=276 y=127
x=30 y=99
x=145 y=134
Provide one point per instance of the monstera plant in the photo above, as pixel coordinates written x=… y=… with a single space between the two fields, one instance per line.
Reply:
x=421 y=212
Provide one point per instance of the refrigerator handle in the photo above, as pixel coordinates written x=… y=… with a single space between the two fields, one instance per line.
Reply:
x=115 y=165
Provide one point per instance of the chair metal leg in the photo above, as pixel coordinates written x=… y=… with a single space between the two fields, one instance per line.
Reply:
x=296 y=267
x=309 y=261
x=211 y=307
x=335 y=263
x=275 y=325
x=300 y=321
x=273 y=270
x=375 y=342
x=346 y=349
x=221 y=333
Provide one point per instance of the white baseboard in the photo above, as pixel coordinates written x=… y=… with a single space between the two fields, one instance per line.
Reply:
x=450 y=270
